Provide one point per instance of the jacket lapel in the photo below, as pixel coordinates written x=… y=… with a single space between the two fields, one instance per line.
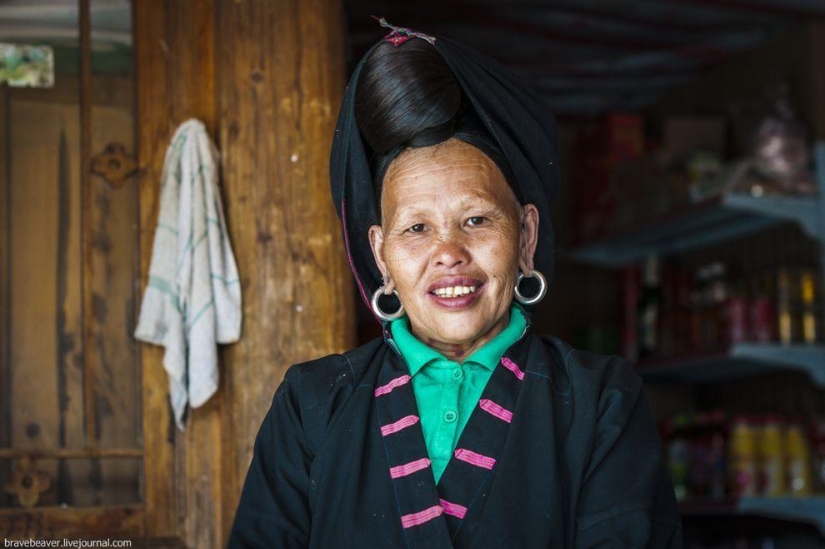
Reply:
x=479 y=447
x=422 y=514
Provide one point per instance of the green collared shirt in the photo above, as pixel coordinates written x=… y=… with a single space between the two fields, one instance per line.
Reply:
x=447 y=391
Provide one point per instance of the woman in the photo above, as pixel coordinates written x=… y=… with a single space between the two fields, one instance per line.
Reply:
x=460 y=428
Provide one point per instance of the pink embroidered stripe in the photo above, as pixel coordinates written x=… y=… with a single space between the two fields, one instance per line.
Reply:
x=403 y=423
x=512 y=366
x=414 y=519
x=409 y=468
x=397 y=382
x=495 y=410
x=475 y=459
x=453 y=509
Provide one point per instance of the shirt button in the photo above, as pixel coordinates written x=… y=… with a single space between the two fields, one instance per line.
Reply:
x=457 y=374
x=450 y=416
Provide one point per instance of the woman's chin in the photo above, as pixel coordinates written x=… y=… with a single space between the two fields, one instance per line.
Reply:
x=461 y=330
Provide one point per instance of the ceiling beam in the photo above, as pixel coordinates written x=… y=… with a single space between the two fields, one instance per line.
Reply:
x=450 y=14
x=792 y=8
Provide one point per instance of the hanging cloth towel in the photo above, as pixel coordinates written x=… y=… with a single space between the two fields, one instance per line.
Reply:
x=193 y=299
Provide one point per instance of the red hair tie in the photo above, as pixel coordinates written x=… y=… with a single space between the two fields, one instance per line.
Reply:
x=399 y=35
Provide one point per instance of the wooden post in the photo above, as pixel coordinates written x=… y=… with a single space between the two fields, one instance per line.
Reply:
x=267 y=79
x=175 y=68
x=280 y=87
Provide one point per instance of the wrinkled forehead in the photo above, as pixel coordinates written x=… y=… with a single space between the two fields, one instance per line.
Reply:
x=427 y=174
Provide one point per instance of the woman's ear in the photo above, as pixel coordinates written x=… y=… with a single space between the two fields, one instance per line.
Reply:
x=528 y=238
x=377 y=245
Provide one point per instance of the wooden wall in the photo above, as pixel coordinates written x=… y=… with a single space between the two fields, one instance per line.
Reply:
x=267 y=79
x=70 y=381
x=5 y=409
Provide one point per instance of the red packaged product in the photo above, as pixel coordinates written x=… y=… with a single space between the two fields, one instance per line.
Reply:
x=736 y=309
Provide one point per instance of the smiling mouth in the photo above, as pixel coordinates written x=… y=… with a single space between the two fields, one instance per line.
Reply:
x=454 y=291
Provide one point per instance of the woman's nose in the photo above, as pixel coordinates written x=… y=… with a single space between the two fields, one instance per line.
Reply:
x=450 y=251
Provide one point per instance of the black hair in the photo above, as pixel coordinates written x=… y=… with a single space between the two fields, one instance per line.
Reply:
x=407 y=96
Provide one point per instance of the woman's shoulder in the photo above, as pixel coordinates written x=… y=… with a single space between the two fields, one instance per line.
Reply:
x=316 y=391
x=327 y=377
x=589 y=372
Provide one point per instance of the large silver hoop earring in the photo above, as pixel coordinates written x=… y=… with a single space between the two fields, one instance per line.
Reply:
x=376 y=308
x=539 y=295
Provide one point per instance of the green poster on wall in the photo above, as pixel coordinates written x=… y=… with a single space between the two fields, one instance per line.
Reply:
x=26 y=66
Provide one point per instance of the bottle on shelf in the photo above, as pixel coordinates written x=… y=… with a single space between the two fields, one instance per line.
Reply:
x=668 y=311
x=798 y=454
x=742 y=458
x=678 y=458
x=736 y=315
x=717 y=294
x=682 y=343
x=818 y=444
x=718 y=454
x=811 y=314
x=772 y=458
x=700 y=318
x=708 y=456
x=787 y=319
x=649 y=309
x=762 y=310
x=630 y=313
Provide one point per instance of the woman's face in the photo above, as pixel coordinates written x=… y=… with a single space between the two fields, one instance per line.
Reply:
x=452 y=241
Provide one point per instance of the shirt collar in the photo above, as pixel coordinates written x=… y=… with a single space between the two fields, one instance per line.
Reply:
x=417 y=354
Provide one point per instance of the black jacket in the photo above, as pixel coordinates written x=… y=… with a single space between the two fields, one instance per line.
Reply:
x=561 y=452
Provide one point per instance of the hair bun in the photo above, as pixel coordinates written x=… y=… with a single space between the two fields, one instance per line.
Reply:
x=406 y=96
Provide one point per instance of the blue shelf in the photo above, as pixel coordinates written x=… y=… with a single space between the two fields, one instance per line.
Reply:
x=708 y=222
x=698 y=225
x=802 y=210
x=740 y=361
x=807 y=510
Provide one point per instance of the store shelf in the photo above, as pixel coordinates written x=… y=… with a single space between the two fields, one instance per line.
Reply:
x=708 y=222
x=697 y=225
x=809 y=510
x=740 y=361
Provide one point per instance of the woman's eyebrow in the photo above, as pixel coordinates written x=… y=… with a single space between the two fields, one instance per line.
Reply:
x=411 y=214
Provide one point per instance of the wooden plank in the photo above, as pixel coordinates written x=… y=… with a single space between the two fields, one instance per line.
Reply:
x=5 y=256
x=280 y=88
x=34 y=278
x=86 y=205
x=117 y=522
x=153 y=105
x=192 y=43
x=113 y=276
x=65 y=306
x=72 y=453
x=76 y=482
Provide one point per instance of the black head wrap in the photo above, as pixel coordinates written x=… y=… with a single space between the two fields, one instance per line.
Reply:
x=513 y=114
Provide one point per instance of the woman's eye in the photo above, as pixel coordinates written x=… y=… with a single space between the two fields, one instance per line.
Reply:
x=476 y=220
x=417 y=228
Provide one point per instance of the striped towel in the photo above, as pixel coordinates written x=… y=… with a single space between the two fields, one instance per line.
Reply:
x=193 y=299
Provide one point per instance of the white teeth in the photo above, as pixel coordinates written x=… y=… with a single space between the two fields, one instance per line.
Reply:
x=454 y=291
